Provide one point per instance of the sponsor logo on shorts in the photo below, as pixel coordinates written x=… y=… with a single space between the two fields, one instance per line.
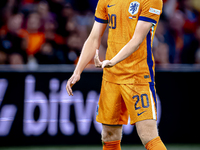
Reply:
x=140 y=113
x=146 y=76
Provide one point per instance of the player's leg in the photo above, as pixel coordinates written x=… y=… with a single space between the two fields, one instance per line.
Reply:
x=147 y=130
x=112 y=113
x=111 y=137
x=148 y=133
x=141 y=103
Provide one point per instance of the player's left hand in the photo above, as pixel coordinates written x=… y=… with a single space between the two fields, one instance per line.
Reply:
x=107 y=64
x=99 y=64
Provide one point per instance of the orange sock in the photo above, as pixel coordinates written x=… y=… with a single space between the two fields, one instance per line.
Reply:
x=113 y=145
x=155 y=144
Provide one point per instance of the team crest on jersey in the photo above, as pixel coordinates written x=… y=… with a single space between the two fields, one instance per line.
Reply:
x=133 y=8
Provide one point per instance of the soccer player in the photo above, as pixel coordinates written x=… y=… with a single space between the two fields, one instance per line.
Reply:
x=128 y=76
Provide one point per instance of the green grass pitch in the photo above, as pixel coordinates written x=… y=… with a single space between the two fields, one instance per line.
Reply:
x=124 y=147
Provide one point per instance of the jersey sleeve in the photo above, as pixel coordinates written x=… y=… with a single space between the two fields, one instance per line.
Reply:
x=151 y=11
x=101 y=14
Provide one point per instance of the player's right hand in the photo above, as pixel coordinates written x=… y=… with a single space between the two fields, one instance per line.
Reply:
x=72 y=80
x=104 y=64
x=98 y=63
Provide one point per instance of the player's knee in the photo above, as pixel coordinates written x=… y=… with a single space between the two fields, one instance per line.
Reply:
x=147 y=130
x=110 y=136
x=111 y=133
x=107 y=136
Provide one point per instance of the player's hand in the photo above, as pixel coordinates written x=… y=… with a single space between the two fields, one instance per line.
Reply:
x=74 y=78
x=107 y=64
x=97 y=62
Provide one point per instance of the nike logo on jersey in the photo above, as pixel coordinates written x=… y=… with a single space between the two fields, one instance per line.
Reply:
x=110 y=5
x=140 y=113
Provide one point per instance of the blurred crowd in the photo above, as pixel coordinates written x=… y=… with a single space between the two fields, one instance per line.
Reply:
x=177 y=38
x=54 y=31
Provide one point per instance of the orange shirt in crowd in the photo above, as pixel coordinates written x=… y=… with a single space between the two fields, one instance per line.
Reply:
x=34 y=41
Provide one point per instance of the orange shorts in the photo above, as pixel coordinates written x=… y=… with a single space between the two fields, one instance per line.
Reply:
x=119 y=101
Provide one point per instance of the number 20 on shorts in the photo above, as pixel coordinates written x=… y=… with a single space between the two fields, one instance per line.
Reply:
x=144 y=100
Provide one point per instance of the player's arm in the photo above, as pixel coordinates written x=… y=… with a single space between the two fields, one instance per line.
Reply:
x=141 y=32
x=91 y=44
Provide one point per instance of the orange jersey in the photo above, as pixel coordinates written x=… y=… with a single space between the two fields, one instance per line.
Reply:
x=122 y=17
x=34 y=41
